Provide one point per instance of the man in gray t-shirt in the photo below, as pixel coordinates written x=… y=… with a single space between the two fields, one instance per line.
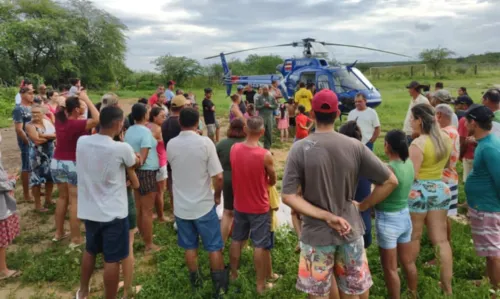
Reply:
x=327 y=166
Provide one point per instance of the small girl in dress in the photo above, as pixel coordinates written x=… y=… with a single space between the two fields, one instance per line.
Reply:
x=251 y=111
x=283 y=123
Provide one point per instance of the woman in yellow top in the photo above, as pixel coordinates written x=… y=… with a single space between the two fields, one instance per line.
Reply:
x=430 y=197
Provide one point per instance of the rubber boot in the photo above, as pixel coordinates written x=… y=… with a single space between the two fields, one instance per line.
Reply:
x=220 y=280
x=196 y=280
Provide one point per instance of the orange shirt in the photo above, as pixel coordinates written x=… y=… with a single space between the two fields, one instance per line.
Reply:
x=301 y=120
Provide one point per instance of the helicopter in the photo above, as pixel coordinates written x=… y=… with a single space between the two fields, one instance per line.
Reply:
x=345 y=81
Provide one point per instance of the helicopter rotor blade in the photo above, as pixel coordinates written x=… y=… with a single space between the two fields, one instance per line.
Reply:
x=251 y=49
x=365 y=48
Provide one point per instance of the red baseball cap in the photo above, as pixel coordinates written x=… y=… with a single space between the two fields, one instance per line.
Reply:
x=325 y=101
x=171 y=82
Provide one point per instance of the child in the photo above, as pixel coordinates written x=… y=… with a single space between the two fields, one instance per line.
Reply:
x=283 y=123
x=274 y=204
x=301 y=121
x=9 y=220
x=251 y=111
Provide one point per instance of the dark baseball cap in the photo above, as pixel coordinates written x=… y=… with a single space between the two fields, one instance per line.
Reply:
x=414 y=85
x=479 y=113
x=208 y=90
x=465 y=99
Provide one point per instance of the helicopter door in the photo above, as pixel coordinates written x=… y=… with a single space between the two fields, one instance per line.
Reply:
x=322 y=81
x=308 y=77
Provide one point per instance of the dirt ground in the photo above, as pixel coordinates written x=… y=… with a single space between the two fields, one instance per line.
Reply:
x=31 y=222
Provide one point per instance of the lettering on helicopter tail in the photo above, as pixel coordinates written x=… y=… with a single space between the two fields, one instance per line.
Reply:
x=288 y=66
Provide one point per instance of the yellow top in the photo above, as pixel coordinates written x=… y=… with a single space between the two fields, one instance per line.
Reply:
x=304 y=97
x=274 y=203
x=431 y=169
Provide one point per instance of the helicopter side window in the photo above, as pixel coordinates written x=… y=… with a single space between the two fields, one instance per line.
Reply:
x=308 y=77
x=323 y=82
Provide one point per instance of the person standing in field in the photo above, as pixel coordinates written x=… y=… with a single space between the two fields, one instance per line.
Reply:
x=367 y=120
x=332 y=234
x=491 y=99
x=482 y=192
x=302 y=121
x=156 y=118
x=283 y=123
x=414 y=89
x=462 y=104
x=21 y=116
x=144 y=144
x=430 y=197
x=156 y=96
x=195 y=166
x=462 y=91
x=69 y=128
x=235 y=134
x=169 y=93
x=392 y=217
x=249 y=94
x=209 y=116
x=266 y=104
x=304 y=97
x=103 y=202
x=252 y=172
x=235 y=109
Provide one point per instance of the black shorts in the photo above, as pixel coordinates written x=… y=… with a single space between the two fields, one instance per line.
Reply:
x=227 y=192
x=291 y=121
x=109 y=238
x=257 y=226
x=147 y=181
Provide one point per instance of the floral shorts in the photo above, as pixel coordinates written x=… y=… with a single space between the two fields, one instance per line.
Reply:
x=429 y=195
x=349 y=262
x=63 y=171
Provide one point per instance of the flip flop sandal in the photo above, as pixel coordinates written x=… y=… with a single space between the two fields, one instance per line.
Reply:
x=66 y=235
x=13 y=274
x=74 y=246
x=275 y=278
x=77 y=295
x=42 y=210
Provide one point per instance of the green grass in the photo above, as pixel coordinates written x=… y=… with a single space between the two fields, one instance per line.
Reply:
x=166 y=276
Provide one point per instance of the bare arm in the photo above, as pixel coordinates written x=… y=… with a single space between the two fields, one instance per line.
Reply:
x=157 y=133
x=132 y=176
x=34 y=135
x=417 y=157
x=237 y=112
x=20 y=132
x=269 y=166
x=143 y=155
x=379 y=193
x=375 y=135
x=217 y=181
x=94 y=120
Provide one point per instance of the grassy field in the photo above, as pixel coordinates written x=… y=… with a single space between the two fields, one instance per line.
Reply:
x=53 y=271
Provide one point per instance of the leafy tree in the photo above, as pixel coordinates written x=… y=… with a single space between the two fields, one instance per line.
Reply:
x=180 y=69
x=436 y=58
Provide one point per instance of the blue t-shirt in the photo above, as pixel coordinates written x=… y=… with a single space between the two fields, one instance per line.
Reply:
x=138 y=136
x=21 y=114
x=169 y=95
x=483 y=183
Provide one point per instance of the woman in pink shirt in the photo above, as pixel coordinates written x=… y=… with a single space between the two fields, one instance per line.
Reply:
x=69 y=127
x=157 y=116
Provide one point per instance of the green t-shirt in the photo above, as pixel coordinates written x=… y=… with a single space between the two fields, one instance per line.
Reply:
x=398 y=199
x=497 y=116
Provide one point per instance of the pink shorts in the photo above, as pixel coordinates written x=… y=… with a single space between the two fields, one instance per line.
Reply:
x=485 y=227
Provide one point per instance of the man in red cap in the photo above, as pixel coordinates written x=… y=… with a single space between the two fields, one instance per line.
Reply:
x=327 y=165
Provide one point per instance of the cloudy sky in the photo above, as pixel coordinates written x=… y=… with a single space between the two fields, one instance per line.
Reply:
x=200 y=28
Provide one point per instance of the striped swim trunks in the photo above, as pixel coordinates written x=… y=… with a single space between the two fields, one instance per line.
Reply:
x=453 y=211
x=485 y=228
x=147 y=181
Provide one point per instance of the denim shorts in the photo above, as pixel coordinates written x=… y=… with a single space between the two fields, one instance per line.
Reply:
x=272 y=242
x=63 y=172
x=207 y=227
x=393 y=228
x=109 y=238
x=255 y=226
x=25 y=156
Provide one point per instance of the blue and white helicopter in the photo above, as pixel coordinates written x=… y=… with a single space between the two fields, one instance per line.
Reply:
x=345 y=81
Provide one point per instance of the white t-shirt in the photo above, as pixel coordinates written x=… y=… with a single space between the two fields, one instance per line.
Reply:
x=407 y=124
x=101 y=170
x=18 y=99
x=194 y=161
x=367 y=121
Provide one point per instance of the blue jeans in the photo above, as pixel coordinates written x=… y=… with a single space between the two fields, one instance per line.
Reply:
x=207 y=227
x=393 y=228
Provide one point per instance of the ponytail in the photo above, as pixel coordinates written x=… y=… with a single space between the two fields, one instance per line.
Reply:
x=351 y=129
x=398 y=143
x=69 y=106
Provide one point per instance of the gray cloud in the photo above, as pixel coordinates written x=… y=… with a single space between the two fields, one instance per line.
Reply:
x=200 y=28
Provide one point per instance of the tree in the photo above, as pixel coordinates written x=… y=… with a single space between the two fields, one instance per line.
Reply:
x=436 y=58
x=179 y=69
x=57 y=41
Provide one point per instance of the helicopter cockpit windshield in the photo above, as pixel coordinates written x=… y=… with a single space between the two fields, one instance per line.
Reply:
x=350 y=80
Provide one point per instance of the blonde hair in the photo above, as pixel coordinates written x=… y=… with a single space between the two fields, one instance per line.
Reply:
x=426 y=114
